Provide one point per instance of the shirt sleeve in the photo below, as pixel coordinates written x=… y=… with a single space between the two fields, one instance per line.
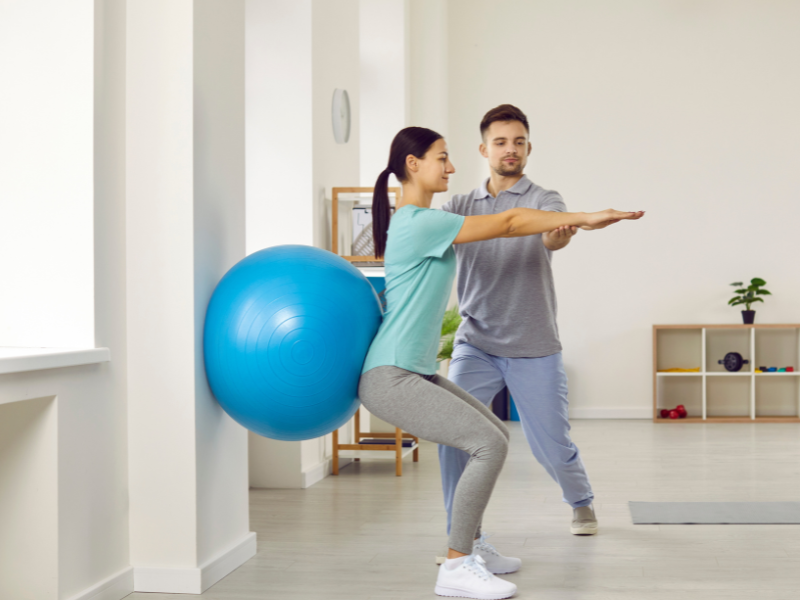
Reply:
x=433 y=231
x=553 y=202
x=456 y=205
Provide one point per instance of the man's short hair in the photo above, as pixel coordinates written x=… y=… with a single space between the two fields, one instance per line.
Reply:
x=504 y=112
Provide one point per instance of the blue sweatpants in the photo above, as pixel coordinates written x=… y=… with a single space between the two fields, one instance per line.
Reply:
x=539 y=389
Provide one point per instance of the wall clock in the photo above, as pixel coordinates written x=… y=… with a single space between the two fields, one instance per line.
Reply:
x=340 y=116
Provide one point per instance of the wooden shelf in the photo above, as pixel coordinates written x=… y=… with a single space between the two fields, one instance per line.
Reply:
x=733 y=326
x=733 y=420
x=378 y=262
x=358 y=451
x=377 y=453
x=733 y=397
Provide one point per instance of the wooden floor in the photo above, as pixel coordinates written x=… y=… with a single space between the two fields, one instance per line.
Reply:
x=370 y=535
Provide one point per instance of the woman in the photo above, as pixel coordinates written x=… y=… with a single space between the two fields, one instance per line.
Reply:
x=399 y=382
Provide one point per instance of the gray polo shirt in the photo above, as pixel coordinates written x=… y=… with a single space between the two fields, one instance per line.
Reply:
x=505 y=286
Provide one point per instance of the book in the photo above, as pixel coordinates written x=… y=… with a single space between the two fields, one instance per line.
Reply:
x=407 y=443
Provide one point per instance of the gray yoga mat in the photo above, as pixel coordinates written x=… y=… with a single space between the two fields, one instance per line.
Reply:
x=722 y=513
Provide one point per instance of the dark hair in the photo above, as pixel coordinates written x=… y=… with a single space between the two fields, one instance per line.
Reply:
x=504 y=112
x=411 y=140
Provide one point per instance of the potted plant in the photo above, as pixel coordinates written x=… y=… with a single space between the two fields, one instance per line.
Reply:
x=747 y=296
x=450 y=324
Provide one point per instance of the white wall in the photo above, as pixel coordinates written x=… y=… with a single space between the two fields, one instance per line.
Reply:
x=293 y=161
x=278 y=92
x=46 y=149
x=160 y=270
x=86 y=485
x=29 y=502
x=185 y=229
x=428 y=53
x=194 y=92
x=219 y=243
x=384 y=94
x=686 y=110
x=77 y=481
x=336 y=65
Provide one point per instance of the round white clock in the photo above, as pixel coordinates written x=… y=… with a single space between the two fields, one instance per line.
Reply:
x=340 y=116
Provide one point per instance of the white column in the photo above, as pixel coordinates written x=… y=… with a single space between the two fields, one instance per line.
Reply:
x=429 y=64
x=219 y=243
x=384 y=56
x=185 y=220
x=279 y=127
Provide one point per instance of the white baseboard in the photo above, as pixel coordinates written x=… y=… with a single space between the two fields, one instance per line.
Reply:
x=115 y=587
x=228 y=561
x=197 y=580
x=611 y=413
x=320 y=471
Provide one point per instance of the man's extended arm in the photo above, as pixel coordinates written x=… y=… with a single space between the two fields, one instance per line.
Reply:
x=558 y=238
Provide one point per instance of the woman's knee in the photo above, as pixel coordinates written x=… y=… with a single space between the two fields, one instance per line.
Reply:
x=493 y=446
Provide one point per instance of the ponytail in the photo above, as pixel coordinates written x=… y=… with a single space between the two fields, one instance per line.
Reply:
x=413 y=141
x=381 y=212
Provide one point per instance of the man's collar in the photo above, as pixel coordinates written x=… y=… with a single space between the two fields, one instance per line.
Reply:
x=484 y=191
x=519 y=188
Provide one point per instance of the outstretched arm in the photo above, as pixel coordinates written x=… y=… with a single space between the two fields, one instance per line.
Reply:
x=519 y=222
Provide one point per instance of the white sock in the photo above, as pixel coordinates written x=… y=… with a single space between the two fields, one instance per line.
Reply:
x=454 y=563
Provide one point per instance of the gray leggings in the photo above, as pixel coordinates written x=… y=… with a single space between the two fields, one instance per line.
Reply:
x=436 y=409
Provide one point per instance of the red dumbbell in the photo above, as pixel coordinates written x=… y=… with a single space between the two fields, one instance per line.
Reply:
x=674 y=414
x=664 y=413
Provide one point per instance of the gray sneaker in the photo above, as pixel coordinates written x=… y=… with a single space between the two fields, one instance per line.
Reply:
x=583 y=521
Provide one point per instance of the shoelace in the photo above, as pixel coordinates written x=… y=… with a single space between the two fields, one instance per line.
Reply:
x=477 y=565
x=482 y=544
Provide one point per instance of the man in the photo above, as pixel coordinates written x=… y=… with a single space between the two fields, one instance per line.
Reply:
x=508 y=335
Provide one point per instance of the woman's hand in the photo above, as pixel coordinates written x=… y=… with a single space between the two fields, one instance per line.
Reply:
x=604 y=218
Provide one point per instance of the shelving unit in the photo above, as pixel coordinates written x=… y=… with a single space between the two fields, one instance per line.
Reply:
x=335 y=192
x=714 y=395
x=357 y=451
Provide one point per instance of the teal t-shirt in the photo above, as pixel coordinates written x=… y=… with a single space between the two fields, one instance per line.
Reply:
x=420 y=267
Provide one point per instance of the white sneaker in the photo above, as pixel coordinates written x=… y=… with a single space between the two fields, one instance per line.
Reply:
x=584 y=521
x=471 y=579
x=495 y=562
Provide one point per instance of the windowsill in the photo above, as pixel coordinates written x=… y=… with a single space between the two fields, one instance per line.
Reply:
x=18 y=360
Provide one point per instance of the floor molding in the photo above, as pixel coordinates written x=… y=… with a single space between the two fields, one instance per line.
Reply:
x=611 y=413
x=320 y=471
x=115 y=587
x=228 y=561
x=197 y=580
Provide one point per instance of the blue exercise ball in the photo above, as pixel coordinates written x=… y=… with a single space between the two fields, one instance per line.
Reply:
x=286 y=334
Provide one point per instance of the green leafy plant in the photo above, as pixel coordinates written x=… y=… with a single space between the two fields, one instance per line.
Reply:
x=750 y=294
x=450 y=324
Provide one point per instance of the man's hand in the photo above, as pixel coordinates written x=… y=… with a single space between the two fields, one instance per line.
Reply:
x=558 y=238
